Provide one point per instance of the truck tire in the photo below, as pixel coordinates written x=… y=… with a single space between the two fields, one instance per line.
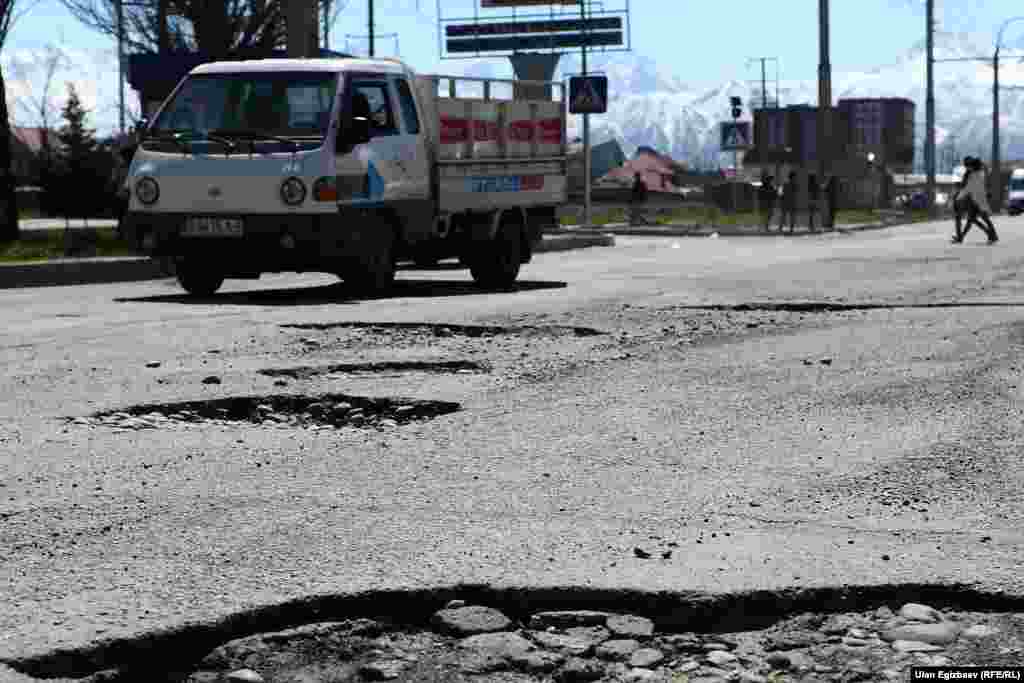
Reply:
x=198 y=278
x=496 y=263
x=374 y=269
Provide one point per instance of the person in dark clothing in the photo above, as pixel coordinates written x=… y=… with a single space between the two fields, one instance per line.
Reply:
x=977 y=190
x=813 y=200
x=789 y=191
x=963 y=207
x=767 y=195
x=832 y=197
x=637 y=200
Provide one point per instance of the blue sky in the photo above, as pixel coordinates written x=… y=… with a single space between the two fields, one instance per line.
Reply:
x=700 y=42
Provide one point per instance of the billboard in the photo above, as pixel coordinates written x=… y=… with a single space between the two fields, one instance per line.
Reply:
x=505 y=28
x=490 y=4
x=541 y=42
x=499 y=28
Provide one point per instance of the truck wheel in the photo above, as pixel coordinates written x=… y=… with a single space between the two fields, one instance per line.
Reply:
x=374 y=269
x=496 y=263
x=198 y=279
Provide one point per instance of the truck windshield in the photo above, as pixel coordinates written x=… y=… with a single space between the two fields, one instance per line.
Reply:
x=282 y=105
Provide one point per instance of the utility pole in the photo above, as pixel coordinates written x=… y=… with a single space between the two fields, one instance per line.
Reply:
x=370 y=13
x=929 y=140
x=824 y=94
x=586 y=123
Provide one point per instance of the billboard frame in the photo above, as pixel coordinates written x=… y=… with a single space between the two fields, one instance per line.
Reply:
x=556 y=11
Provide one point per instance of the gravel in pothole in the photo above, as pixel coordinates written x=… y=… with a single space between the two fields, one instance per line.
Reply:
x=330 y=410
x=478 y=643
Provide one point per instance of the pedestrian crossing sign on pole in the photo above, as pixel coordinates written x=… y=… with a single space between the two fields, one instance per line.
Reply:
x=735 y=136
x=588 y=94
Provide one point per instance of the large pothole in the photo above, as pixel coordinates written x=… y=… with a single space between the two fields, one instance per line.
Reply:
x=454 y=366
x=479 y=634
x=329 y=410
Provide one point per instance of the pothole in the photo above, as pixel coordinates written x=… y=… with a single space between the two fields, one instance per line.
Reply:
x=532 y=635
x=455 y=366
x=452 y=329
x=328 y=410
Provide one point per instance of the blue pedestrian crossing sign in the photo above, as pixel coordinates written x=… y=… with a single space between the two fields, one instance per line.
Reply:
x=588 y=94
x=736 y=136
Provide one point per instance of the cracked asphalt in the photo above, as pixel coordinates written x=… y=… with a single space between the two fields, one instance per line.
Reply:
x=723 y=413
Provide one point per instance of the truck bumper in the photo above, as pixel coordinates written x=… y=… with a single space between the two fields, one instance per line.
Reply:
x=268 y=243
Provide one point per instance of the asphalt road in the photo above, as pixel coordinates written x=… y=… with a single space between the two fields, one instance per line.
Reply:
x=779 y=446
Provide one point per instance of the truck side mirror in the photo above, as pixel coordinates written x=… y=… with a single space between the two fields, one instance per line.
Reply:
x=359 y=131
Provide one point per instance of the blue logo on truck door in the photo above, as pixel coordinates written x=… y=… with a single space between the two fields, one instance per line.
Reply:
x=504 y=183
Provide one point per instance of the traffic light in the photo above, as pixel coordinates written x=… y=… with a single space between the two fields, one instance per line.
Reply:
x=737 y=105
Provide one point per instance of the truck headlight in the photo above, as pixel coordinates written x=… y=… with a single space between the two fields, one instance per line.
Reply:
x=293 y=191
x=147 y=190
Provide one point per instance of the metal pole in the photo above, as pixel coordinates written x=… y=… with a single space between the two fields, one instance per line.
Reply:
x=586 y=125
x=371 y=27
x=994 y=181
x=929 y=144
x=824 y=94
x=764 y=83
x=120 y=61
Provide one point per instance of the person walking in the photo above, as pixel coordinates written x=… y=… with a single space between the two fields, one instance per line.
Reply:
x=976 y=190
x=813 y=200
x=832 y=198
x=789 y=190
x=767 y=195
x=963 y=208
x=638 y=198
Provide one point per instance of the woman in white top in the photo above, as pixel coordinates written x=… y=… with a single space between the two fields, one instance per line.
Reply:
x=976 y=191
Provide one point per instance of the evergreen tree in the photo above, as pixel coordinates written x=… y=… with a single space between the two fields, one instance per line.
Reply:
x=77 y=187
x=77 y=142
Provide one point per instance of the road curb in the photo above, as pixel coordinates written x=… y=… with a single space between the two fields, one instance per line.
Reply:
x=85 y=271
x=706 y=231
x=563 y=242
x=88 y=271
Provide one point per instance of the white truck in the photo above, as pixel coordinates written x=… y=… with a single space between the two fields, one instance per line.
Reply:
x=345 y=166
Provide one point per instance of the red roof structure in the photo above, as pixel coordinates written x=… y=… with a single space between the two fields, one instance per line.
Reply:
x=656 y=170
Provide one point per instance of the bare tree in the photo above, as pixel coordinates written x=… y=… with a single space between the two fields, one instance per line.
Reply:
x=35 y=75
x=219 y=28
x=8 y=199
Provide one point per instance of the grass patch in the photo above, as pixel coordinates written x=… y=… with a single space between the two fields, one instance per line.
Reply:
x=51 y=245
x=712 y=216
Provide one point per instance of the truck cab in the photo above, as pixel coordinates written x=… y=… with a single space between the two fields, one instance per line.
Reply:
x=331 y=165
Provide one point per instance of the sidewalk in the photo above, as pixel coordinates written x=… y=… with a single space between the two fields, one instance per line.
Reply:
x=695 y=230
x=100 y=270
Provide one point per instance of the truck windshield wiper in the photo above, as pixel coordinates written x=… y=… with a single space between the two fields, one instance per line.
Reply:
x=183 y=138
x=169 y=136
x=252 y=135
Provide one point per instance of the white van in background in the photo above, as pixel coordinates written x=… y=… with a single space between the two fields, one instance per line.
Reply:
x=1015 y=193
